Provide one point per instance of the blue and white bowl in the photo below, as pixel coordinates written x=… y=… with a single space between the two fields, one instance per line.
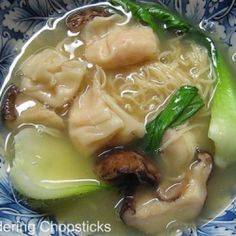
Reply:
x=20 y=19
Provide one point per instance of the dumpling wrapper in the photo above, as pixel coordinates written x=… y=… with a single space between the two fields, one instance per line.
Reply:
x=51 y=78
x=111 y=45
x=99 y=27
x=95 y=120
x=131 y=128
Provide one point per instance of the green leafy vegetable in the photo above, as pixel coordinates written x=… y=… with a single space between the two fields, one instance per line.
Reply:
x=189 y=111
x=182 y=106
x=223 y=114
x=171 y=20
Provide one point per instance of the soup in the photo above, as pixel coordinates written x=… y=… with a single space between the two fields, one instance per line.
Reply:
x=108 y=121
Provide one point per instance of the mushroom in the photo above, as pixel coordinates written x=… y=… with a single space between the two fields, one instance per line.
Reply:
x=115 y=165
x=78 y=20
x=146 y=212
x=8 y=107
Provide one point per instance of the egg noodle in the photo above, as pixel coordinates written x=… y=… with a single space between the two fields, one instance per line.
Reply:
x=144 y=90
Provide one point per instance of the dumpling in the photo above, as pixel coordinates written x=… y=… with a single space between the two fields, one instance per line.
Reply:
x=116 y=46
x=179 y=153
x=29 y=110
x=51 y=78
x=94 y=122
x=99 y=27
x=131 y=128
x=91 y=123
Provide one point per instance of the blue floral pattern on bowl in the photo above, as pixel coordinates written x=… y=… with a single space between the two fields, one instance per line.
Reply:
x=22 y=18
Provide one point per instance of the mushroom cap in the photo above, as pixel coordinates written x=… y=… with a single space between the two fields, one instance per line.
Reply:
x=114 y=165
x=8 y=110
x=76 y=21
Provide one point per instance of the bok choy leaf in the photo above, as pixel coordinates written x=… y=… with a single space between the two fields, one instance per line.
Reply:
x=182 y=106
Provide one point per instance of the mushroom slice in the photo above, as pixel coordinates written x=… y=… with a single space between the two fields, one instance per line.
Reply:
x=8 y=106
x=77 y=21
x=150 y=214
x=114 y=165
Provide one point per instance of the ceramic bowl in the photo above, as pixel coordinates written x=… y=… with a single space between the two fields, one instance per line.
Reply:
x=20 y=19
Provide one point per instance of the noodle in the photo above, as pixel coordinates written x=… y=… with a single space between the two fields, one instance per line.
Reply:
x=144 y=90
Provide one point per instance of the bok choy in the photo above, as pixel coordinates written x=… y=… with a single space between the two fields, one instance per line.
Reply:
x=47 y=167
x=182 y=105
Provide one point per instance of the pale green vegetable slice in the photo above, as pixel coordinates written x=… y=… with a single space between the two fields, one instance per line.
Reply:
x=48 y=167
x=223 y=116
